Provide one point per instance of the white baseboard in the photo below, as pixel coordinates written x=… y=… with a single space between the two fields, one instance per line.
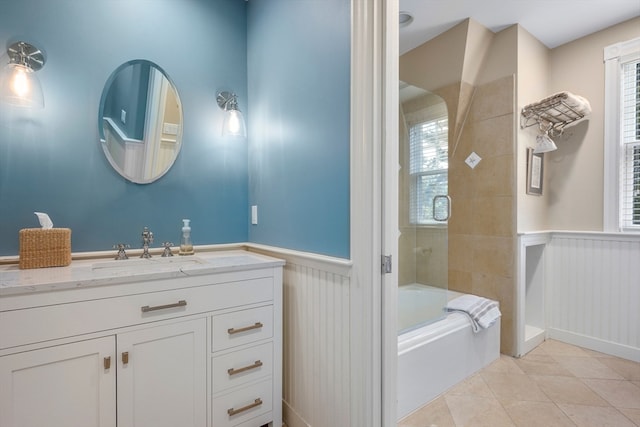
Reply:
x=614 y=349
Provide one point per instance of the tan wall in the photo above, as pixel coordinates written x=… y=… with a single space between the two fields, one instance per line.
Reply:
x=532 y=86
x=575 y=170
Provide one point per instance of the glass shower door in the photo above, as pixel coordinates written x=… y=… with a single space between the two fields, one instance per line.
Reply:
x=424 y=207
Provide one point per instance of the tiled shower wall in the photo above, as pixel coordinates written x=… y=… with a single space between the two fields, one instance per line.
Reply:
x=482 y=228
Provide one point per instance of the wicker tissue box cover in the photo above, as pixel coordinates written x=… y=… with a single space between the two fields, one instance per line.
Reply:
x=41 y=247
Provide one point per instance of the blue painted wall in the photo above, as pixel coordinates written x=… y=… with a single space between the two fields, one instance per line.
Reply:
x=299 y=85
x=51 y=159
x=288 y=62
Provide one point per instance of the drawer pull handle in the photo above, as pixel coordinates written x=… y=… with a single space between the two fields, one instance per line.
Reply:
x=107 y=362
x=256 y=325
x=146 y=308
x=232 y=411
x=234 y=371
x=125 y=357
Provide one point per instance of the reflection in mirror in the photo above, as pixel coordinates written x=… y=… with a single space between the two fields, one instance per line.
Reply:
x=140 y=121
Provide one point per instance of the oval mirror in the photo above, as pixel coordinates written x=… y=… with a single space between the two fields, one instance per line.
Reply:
x=140 y=121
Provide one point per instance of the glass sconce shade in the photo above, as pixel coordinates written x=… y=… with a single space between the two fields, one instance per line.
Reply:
x=544 y=144
x=233 y=123
x=19 y=84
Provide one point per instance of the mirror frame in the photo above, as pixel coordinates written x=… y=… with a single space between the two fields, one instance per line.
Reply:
x=101 y=122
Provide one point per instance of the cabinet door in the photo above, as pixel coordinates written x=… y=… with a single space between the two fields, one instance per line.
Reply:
x=162 y=376
x=67 y=385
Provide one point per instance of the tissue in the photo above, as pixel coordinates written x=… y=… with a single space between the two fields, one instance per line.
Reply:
x=45 y=221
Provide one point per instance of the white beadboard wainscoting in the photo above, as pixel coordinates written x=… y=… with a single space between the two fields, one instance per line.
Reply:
x=593 y=291
x=316 y=337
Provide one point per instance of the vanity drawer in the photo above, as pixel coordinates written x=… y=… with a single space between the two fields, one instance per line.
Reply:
x=242 y=366
x=64 y=320
x=243 y=405
x=241 y=327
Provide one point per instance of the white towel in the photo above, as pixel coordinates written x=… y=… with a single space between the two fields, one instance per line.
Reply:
x=483 y=312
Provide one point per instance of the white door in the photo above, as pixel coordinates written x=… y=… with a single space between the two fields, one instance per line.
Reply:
x=70 y=385
x=162 y=376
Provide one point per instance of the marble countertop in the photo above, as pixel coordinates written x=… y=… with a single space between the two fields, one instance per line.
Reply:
x=97 y=272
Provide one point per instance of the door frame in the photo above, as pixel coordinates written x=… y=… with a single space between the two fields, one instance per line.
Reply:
x=374 y=226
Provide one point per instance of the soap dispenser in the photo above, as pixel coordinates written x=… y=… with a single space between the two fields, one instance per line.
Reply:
x=186 y=247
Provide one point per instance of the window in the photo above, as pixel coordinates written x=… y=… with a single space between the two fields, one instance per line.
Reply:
x=428 y=165
x=630 y=178
x=622 y=136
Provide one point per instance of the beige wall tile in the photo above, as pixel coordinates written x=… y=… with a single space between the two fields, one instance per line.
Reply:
x=493 y=216
x=494 y=176
x=493 y=99
x=494 y=255
x=494 y=136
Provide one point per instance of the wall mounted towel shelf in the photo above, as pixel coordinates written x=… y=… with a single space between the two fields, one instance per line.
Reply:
x=554 y=113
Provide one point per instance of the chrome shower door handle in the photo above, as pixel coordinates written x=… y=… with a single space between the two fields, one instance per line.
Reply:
x=435 y=210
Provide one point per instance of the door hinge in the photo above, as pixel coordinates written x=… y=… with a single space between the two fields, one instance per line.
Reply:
x=387 y=264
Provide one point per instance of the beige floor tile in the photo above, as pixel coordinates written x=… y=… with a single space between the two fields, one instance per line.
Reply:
x=505 y=365
x=632 y=414
x=568 y=390
x=537 y=414
x=587 y=367
x=593 y=353
x=562 y=349
x=473 y=411
x=513 y=387
x=628 y=369
x=435 y=413
x=595 y=416
x=474 y=386
x=542 y=364
x=621 y=394
x=538 y=351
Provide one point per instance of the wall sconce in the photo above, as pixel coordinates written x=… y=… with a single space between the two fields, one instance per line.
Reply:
x=233 y=123
x=18 y=83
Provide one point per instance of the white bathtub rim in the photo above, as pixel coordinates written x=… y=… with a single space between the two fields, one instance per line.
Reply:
x=419 y=337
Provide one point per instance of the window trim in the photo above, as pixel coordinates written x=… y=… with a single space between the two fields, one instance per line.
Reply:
x=614 y=56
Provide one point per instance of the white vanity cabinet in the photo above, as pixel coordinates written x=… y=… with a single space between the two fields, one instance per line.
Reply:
x=197 y=348
x=63 y=385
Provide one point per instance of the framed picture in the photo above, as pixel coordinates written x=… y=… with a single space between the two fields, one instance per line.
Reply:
x=535 y=170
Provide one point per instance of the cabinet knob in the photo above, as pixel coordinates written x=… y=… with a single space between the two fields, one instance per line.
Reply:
x=125 y=357
x=107 y=362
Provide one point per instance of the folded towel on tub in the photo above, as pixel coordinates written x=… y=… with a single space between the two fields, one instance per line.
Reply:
x=483 y=312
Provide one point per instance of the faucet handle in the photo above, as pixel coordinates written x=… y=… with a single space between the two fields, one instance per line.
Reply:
x=167 y=249
x=121 y=253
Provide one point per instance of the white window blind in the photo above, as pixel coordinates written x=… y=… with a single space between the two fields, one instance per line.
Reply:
x=630 y=158
x=428 y=163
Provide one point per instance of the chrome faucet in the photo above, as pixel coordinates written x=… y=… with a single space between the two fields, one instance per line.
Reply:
x=147 y=239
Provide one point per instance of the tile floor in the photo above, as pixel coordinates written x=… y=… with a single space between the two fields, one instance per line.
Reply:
x=556 y=384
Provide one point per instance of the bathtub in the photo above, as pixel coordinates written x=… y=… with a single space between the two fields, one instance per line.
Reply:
x=440 y=352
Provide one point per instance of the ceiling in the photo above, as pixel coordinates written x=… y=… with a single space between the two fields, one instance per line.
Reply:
x=553 y=22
